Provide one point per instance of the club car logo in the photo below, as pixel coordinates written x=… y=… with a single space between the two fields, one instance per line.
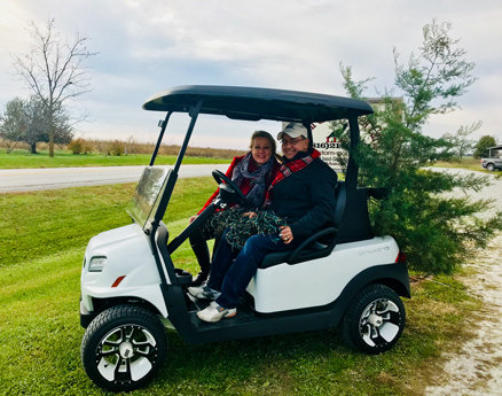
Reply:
x=378 y=250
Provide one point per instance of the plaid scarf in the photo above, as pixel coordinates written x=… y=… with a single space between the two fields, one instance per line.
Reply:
x=287 y=169
x=257 y=178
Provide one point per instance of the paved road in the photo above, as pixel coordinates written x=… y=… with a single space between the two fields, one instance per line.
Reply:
x=16 y=180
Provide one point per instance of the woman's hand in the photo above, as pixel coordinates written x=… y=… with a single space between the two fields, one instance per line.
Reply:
x=250 y=214
x=192 y=219
x=286 y=234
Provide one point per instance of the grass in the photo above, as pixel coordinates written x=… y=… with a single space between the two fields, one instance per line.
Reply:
x=23 y=159
x=43 y=239
x=469 y=163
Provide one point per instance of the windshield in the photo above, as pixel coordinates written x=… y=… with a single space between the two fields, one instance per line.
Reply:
x=149 y=190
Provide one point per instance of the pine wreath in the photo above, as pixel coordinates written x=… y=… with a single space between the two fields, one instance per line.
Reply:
x=240 y=228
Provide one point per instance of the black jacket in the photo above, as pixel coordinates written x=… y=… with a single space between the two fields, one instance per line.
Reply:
x=306 y=199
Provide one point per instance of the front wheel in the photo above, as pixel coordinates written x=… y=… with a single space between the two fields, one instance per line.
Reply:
x=123 y=347
x=375 y=320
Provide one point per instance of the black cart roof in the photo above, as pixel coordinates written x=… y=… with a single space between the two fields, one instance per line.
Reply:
x=258 y=103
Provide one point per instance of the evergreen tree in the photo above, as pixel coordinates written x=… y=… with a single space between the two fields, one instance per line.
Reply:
x=435 y=226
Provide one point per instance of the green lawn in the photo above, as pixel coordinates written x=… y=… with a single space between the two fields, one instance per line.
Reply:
x=44 y=235
x=22 y=159
x=466 y=163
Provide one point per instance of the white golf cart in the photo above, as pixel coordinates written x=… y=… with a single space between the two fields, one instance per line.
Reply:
x=343 y=276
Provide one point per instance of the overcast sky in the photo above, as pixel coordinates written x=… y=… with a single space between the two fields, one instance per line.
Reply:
x=148 y=46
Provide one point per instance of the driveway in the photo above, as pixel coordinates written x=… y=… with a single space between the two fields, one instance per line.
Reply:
x=477 y=369
x=17 y=180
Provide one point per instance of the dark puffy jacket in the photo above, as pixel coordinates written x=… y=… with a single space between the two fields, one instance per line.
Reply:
x=306 y=198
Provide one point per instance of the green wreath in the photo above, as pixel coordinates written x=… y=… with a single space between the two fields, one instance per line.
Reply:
x=240 y=227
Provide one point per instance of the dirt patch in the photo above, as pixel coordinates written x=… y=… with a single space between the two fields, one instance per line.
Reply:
x=477 y=368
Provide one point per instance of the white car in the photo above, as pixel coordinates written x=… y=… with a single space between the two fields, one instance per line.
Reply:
x=343 y=276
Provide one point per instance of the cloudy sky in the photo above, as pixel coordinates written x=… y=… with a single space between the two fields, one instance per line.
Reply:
x=147 y=46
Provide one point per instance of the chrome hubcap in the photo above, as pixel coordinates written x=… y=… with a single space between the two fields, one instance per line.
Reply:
x=380 y=322
x=126 y=353
x=375 y=320
x=126 y=350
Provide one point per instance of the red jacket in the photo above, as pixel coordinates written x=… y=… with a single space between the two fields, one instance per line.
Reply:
x=245 y=186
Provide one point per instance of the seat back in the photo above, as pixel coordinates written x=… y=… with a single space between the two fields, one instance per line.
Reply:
x=340 y=202
x=351 y=219
x=351 y=214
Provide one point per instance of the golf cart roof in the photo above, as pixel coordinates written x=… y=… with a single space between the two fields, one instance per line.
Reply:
x=258 y=103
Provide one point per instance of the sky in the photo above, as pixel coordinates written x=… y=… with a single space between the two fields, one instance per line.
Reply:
x=144 y=47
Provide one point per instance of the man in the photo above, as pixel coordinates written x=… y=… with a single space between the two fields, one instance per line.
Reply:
x=302 y=193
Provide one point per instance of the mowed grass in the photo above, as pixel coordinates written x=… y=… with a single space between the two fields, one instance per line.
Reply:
x=23 y=159
x=46 y=234
x=34 y=225
x=466 y=163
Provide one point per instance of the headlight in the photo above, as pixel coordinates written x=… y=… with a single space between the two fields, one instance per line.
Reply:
x=97 y=264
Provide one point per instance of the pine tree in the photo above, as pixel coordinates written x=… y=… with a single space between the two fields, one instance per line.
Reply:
x=434 y=223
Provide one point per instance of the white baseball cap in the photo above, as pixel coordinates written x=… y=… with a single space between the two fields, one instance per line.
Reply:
x=293 y=130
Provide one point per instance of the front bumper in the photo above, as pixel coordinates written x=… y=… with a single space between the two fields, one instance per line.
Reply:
x=86 y=317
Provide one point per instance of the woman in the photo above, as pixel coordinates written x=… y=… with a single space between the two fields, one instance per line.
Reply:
x=253 y=173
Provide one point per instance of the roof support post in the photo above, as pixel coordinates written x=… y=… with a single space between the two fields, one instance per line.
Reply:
x=352 y=167
x=194 y=112
x=161 y=136
x=308 y=126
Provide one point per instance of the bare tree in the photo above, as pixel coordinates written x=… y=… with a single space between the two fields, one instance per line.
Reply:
x=53 y=71
x=461 y=141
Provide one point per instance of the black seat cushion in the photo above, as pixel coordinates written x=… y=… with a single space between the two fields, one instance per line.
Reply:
x=316 y=250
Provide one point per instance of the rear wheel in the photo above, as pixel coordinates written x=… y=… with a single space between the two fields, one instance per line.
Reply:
x=123 y=347
x=490 y=167
x=375 y=320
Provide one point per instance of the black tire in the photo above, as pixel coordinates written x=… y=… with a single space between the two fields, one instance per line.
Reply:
x=374 y=320
x=123 y=347
x=490 y=167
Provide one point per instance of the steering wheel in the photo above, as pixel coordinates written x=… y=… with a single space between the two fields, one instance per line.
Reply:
x=229 y=187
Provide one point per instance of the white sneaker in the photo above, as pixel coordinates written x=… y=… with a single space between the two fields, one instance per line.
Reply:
x=215 y=312
x=204 y=292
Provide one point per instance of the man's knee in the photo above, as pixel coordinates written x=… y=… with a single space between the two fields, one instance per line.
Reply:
x=256 y=247
x=255 y=242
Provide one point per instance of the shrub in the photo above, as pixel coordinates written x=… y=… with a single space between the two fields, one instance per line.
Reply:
x=116 y=148
x=76 y=146
x=79 y=146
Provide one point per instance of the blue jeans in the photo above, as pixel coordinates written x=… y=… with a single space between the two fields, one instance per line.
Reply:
x=230 y=276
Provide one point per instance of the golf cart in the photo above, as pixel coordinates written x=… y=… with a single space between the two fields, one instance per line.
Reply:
x=342 y=276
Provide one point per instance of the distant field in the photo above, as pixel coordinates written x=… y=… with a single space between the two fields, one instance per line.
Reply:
x=22 y=159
